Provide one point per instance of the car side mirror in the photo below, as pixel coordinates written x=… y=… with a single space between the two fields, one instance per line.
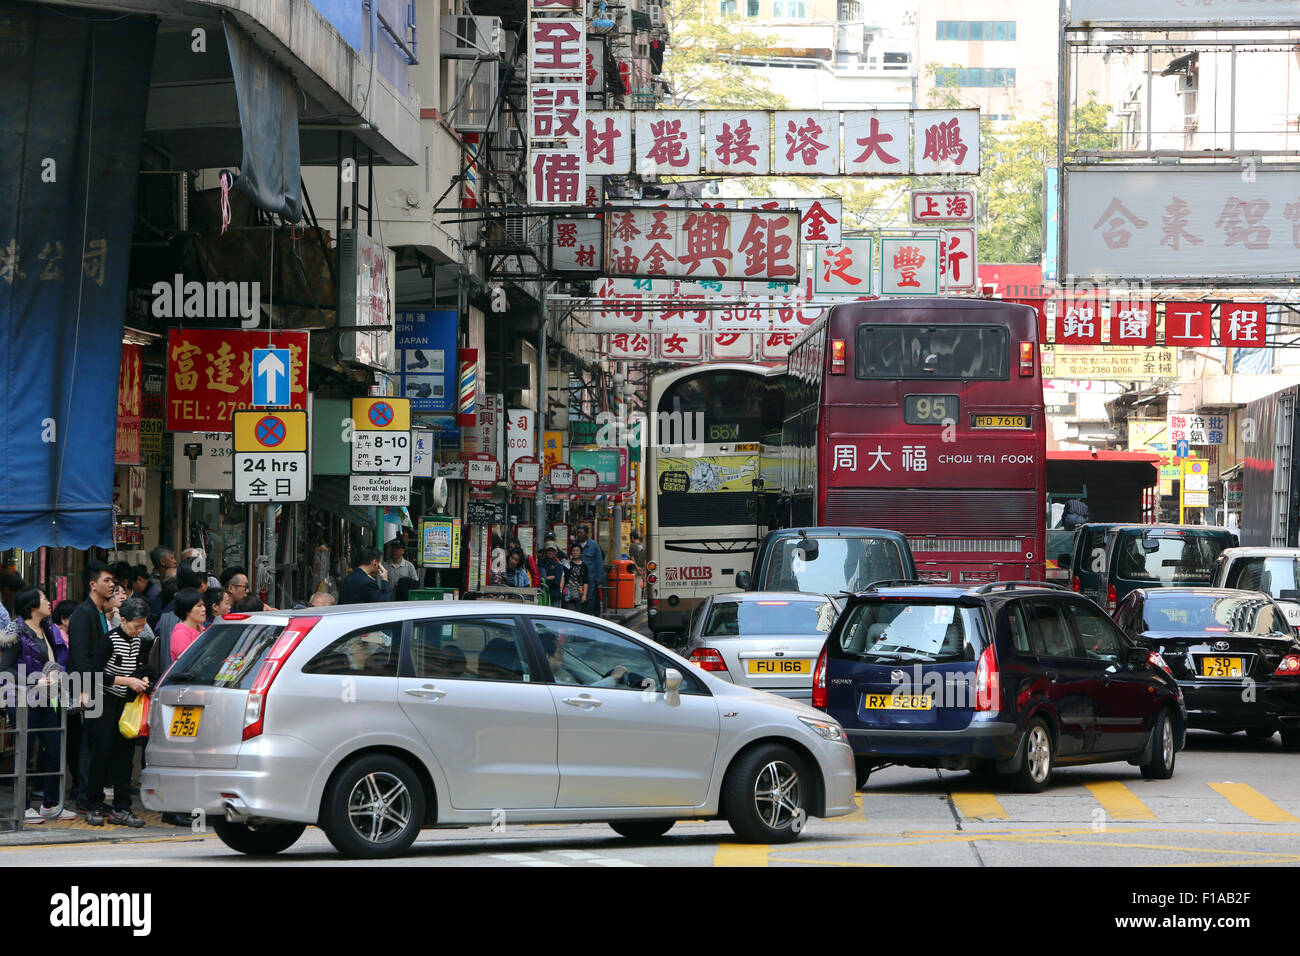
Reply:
x=672 y=685
x=1063 y=562
x=744 y=579
x=1138 y=657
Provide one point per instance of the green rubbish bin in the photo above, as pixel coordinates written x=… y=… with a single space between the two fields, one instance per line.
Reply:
x=433 y=594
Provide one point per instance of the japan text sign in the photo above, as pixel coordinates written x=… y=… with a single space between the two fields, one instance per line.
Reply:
x=210 y=374
x=1171 y=223
x=702 y=243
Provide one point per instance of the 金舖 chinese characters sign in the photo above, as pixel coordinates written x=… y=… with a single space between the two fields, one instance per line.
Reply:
x=210 y=374
x=1181 y=223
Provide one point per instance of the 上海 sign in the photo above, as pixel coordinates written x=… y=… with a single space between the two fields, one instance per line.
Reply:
x=942 y=205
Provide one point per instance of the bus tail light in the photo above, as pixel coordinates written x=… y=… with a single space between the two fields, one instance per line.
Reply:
x=1026 y=359
x=652 y=578
x=837 y=356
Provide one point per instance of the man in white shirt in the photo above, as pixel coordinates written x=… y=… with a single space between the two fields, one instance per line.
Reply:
x=398 y=566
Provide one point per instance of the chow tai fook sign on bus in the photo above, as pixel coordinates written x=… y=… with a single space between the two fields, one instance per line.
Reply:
x=921 y=463
x=703 y=243
x=782 y=142
x=1181 y=223
x=210 y=374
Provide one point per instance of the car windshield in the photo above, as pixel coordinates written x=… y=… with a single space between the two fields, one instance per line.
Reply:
x=1277 y=577
x=1213 y=615
x=1183 y=557
x=775 y=616
x=911 y=631
x=842 y=564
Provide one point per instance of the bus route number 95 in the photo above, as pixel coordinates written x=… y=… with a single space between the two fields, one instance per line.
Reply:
x=929 y=409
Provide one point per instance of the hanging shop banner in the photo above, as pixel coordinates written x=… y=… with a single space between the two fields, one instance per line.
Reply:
x=819 y=219
x=942 y=205
x=706 y=243
x=130 y=395
x=843 y=268
x=426 y=349
x=556 y=47
x=958 y=259
x=576 y=245
x=1109 y=362
x=594 y=78
x=210 y=374
x=1187 y=223
x=1202 y=13
x=440 y=542
x=784 y=142
x=555 y=113
x=552 y=450
x=909 y=266
x=1197 y=429
x=521 y=434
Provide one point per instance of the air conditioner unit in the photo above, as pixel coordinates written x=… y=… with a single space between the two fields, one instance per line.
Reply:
x=163 y=202
x=471 y=37
x=1187 y=82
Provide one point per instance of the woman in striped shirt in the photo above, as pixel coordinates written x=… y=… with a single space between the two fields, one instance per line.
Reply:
x=124 y=678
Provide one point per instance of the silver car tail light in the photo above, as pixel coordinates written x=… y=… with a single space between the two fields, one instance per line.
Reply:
x=285 y=644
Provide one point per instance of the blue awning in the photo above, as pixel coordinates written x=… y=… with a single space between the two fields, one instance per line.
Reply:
x=75 y=91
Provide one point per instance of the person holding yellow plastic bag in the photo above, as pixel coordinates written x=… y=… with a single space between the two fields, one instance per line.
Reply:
x=125 y=676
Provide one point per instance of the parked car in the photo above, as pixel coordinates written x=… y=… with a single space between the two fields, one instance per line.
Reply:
x=1161 y=556
x=827 y=560
x=375 y=720
x=1086 y=560
x=1232 y=652
x=1275 y=571
x=768 y=640
x=1012 y=678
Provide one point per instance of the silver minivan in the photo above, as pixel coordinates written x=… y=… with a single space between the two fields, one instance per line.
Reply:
x=373 y=721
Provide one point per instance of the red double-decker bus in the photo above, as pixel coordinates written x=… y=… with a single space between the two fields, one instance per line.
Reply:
x=923 y=416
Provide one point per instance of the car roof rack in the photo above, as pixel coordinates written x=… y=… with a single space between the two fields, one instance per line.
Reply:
x=1012 y=585
x=890 y=582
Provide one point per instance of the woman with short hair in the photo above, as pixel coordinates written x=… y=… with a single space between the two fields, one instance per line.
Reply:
x=191 y=612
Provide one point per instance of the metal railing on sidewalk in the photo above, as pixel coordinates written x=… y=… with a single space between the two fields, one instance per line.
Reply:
x=14 y=724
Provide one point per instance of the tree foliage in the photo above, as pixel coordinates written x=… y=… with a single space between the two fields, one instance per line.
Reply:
x=699 y=64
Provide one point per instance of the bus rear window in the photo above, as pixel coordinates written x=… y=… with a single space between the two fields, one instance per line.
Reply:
x=912 y=352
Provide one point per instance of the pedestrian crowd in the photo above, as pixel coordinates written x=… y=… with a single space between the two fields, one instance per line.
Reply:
x=132 y=626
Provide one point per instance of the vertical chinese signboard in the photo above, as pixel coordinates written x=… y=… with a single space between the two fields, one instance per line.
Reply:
x=129 y=401
x=558 y=78
x=210 y=374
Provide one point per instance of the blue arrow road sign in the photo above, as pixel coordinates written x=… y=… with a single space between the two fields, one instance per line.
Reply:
x=1181 y=449
x=271 y=377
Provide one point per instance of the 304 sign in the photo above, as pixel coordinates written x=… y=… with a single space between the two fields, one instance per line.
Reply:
x=381 y=451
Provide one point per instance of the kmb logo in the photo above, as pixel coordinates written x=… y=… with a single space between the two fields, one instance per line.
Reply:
x=694 y=574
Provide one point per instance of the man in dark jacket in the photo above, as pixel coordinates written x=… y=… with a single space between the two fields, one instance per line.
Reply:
x=368 y=581
x=88 y=652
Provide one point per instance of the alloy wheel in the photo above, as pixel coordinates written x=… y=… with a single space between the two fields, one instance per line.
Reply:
x=1167 y=741
x=379 y=807
x=1040 y=753
x=778 y=795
